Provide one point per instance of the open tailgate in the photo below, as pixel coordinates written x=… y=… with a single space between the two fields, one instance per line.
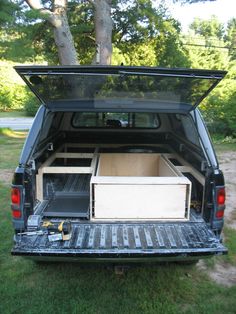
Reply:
x=161 y=241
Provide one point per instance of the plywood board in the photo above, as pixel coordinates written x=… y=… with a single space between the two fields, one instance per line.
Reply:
x=140 y=180
x=66 y=169
x=186 y=167
x=139 y=201
x=166 y=169
x=128 y=164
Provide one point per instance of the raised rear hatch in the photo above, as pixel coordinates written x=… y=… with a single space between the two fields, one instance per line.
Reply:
x=119 y=88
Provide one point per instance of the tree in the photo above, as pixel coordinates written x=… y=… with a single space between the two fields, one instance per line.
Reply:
x=211 y=28
x=8 y=13
x=230 y=38
x=207 y=47
x=145 y=35
x=57 y=17
x=103 y=31
x=134 y=24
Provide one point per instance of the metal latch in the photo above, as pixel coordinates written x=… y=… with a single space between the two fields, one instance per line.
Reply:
x=50 y=147
x=204 y=165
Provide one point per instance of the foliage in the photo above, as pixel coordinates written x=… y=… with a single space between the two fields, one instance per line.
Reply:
x=208 y=28
x=206 y=38
x=31 y=105
x=230 y=38
x=12 y=90
x=221 y=139
x=146 y=35
x=209 y=51
x=8 y=13
x=137 y=23
x=169 y=47
x=219 y=108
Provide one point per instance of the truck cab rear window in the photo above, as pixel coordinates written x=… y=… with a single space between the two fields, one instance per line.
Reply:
x=115 y=120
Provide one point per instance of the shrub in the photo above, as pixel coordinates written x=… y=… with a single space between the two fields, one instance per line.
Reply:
x=12 y=90
x=31 y=105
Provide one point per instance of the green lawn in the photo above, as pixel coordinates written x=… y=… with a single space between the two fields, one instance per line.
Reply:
x=225 y=147
x=27 y=287
x=12 y=114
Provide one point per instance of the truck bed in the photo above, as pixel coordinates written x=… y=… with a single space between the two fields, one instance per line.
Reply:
x=121 y=241
x=75 y=184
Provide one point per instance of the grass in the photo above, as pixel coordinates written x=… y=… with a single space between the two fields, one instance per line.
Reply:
x=225 y=147
x=230 y=240
x=12 y=114
x=230 y=243
x=27 y=287
x=11 y=143
x=223 y=144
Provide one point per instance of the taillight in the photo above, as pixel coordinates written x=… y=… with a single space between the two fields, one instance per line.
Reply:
x=220 y=214
x=15 y=203
x=220 y=199
x=15 y=197
x=221 y=196
x=16 y=213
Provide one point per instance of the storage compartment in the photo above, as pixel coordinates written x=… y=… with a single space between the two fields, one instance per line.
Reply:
x=67 y=195
x=139 y=186
x=63 y=180
x=113 y=186
x=134 y=165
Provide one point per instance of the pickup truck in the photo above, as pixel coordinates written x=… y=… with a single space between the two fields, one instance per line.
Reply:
x=118 y=166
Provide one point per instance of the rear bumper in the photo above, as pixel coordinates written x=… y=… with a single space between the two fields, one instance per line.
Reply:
x=125 y=242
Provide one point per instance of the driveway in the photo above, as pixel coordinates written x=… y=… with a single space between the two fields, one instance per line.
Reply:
x=16 y=123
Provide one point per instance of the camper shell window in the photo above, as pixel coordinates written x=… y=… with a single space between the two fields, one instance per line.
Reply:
x=115 y=120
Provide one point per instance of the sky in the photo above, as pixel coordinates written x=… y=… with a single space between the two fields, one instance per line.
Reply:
x=223 y=9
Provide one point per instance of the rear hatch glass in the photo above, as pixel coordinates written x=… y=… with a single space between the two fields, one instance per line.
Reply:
x=99 y=88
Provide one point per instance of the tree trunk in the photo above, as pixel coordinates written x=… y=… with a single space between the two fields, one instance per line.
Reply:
x=103 y=31
x=62 y=34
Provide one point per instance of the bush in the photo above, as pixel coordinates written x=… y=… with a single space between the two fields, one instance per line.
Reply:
x=12 y=90
x=219 y=109
x=218 y=127
x=31 y=105
x=14 y=95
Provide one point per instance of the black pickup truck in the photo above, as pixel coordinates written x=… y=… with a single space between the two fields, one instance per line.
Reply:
x=118 y=166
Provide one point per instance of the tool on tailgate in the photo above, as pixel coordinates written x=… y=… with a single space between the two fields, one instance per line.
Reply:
x=33 y=222
x=32 y=233
x=58 y=231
